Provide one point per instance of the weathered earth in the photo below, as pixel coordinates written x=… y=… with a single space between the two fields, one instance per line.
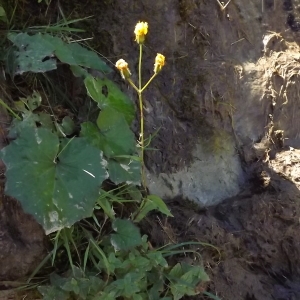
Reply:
x=227 y=108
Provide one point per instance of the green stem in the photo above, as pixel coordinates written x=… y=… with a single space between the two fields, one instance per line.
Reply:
x=133 y=85
x=142 y=139
x=142 y=118
x=140 y=67
x=145 y=86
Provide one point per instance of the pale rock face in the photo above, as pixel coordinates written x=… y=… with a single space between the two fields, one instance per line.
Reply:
x=214 y=174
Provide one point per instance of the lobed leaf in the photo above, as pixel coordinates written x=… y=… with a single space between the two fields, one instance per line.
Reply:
x=57 y=181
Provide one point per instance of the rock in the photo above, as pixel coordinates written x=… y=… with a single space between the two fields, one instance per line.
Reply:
x=214 y=174
x=233 y=71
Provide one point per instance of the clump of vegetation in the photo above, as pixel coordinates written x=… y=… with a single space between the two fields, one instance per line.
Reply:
x=84 y=182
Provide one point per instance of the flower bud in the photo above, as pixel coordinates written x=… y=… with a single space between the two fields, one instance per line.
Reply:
x=159 y=63
x=122 y=66
x=141 y=29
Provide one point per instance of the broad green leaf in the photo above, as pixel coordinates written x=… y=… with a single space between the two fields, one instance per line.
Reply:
x=150 y=203
x=93 y=135
x=127 y=235
x=119 y=139
x=34 y=53
x=76 y=55
x=124 y=170
x=57 y=182
x=107 y=94
x=113 y=136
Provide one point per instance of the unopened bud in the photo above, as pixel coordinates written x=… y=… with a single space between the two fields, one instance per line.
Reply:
x=159 y=63
x=122 y=66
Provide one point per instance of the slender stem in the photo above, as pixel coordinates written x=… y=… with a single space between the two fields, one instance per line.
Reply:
x=133 y=85
x=140 y=67
x=145 y=86
x=142 y=139
x=142 y=118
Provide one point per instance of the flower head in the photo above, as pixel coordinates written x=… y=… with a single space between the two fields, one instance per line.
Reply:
x=141 y=29
x=159 y=63
x=122 y=66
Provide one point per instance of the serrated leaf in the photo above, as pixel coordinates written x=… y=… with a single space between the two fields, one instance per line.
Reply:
x=157 y=258
x=127 y=235
x=127 y=286
x=185 y=284
x=107 y=94
x=57 y=191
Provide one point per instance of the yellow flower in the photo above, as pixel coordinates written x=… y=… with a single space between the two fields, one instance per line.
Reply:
x=159 y=63
x=141 y=29
x=122 y=66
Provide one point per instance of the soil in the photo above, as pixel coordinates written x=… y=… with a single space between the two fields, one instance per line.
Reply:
x=256 y=234
x=217 y=76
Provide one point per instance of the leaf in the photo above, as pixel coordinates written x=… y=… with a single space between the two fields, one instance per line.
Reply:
x=124 y=170
x=76 y=55
x=113 y=135
x=160 y=204
x=127 y=235
x=57 y=191
x=104 y=203
x=127 y=286
x=68 y=125
x=185 y=278
x=119 y=139
x=53 y=293
x=30 y=103
x=150 y=203
x=157 y=258
x=36 y=53
x=3 y=16
x=107 y=94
